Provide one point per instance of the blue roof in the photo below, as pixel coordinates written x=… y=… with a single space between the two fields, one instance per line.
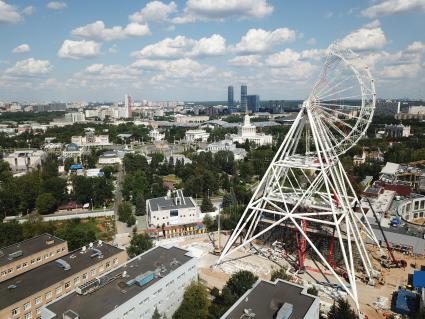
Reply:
x=76 y=166
x=406 y=302
x=419 y=279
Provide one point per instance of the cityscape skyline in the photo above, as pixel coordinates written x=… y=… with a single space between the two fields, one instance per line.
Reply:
x=189 y=50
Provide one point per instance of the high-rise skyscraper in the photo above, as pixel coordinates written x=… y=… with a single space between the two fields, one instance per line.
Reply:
x=253 y=103
x=230 y=97
x=125 y=111
x=244 y=101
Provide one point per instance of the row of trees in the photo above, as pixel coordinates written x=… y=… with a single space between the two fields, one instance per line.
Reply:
x=76 y=232
x=42 y=189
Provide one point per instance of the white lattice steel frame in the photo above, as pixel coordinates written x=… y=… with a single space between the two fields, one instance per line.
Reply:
x=306 y=180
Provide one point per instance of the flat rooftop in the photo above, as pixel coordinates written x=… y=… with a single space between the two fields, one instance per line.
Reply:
x=266 y=298
x=113 y=290
x=51 y=273
x=28 y=247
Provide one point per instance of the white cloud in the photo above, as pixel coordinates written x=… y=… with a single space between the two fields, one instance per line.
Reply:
x=29 y=10
x=108 y=72
x=180 y=68
x=283 y=58
x=155 y=11
x=221 y=9
x=136 y=30
x=262 y=41
x=56 y=5
x=401 y=71
x=416 y=46
x=246 y=60
x=9 y=13
x=389 y=7
x=98 y=31
x=79 y=49
x=212 y=46
x=21 y=48
x=368 y=37
x=113 y=49
x=181 y=46
x=29 y=67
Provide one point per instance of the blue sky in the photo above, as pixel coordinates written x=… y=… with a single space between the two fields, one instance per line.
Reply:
x=191 y=50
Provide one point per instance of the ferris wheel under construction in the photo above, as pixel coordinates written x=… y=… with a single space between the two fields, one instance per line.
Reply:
x=306 y=187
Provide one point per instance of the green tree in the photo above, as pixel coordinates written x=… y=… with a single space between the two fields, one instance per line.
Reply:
x=207 y=206
x=280 y=274
x=46 y=203
x=56 y=186
x=342 y=310
x=140 y=204
x=139 y=244
x=240 y=282
x=156 y=314
x=208 y=222
x=77 y=234
x=313 y=291
x=195 y=303
x=125 y=212
x=10 y=233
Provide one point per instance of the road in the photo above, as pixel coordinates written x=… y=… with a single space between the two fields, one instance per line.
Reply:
x=122 y=231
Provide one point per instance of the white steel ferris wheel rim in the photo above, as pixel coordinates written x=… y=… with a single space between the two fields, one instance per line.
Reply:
x=342 y=135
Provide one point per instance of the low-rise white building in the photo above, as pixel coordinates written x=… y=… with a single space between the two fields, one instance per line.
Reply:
x=169 y=210
x=196 y=135
x=227 y=145
x=25 y=160
x=155 y=135
x=248 y=132
x=153 y=280
x=110 y=158
x=91 y=140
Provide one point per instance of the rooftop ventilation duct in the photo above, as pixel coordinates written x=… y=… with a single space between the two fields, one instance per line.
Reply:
x=15 y=254
x=63 y=264
x=285 y=312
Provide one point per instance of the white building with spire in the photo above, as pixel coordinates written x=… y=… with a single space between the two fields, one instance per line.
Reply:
x=248 y=132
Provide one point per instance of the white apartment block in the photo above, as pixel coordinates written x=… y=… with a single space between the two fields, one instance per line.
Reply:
x=153 y=280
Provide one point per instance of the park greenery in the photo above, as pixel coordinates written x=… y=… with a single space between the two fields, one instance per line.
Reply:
x=43 y=190
x=77 y=232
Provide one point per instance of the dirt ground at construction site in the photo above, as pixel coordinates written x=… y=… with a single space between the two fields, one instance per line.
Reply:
x=375 y=301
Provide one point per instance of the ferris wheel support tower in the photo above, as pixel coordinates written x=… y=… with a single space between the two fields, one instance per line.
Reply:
x=306 y=182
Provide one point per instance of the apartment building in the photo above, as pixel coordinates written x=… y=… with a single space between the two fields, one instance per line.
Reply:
x=23 y=296
x=29 y=254
x=155 y=279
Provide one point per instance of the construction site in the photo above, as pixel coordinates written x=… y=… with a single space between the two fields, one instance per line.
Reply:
x=375 y=299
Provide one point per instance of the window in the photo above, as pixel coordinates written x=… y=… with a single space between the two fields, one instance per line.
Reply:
x=48 y=295
x=63 y=248
x=76 y=280
x=58 y=290
x=108 y=264
x=38 y=258
x=174 y=213
x=67 y=284
x=85 y=276
x=27 y=306
x=28 y=315
x=93 y=272
x=37 y=311
x=37 y=300
x=18 y=267
x=58 y=251
x=15 y=311
x=24 y=265
x=115 y=261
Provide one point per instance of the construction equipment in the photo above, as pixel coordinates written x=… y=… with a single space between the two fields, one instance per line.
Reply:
x=386 y=262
